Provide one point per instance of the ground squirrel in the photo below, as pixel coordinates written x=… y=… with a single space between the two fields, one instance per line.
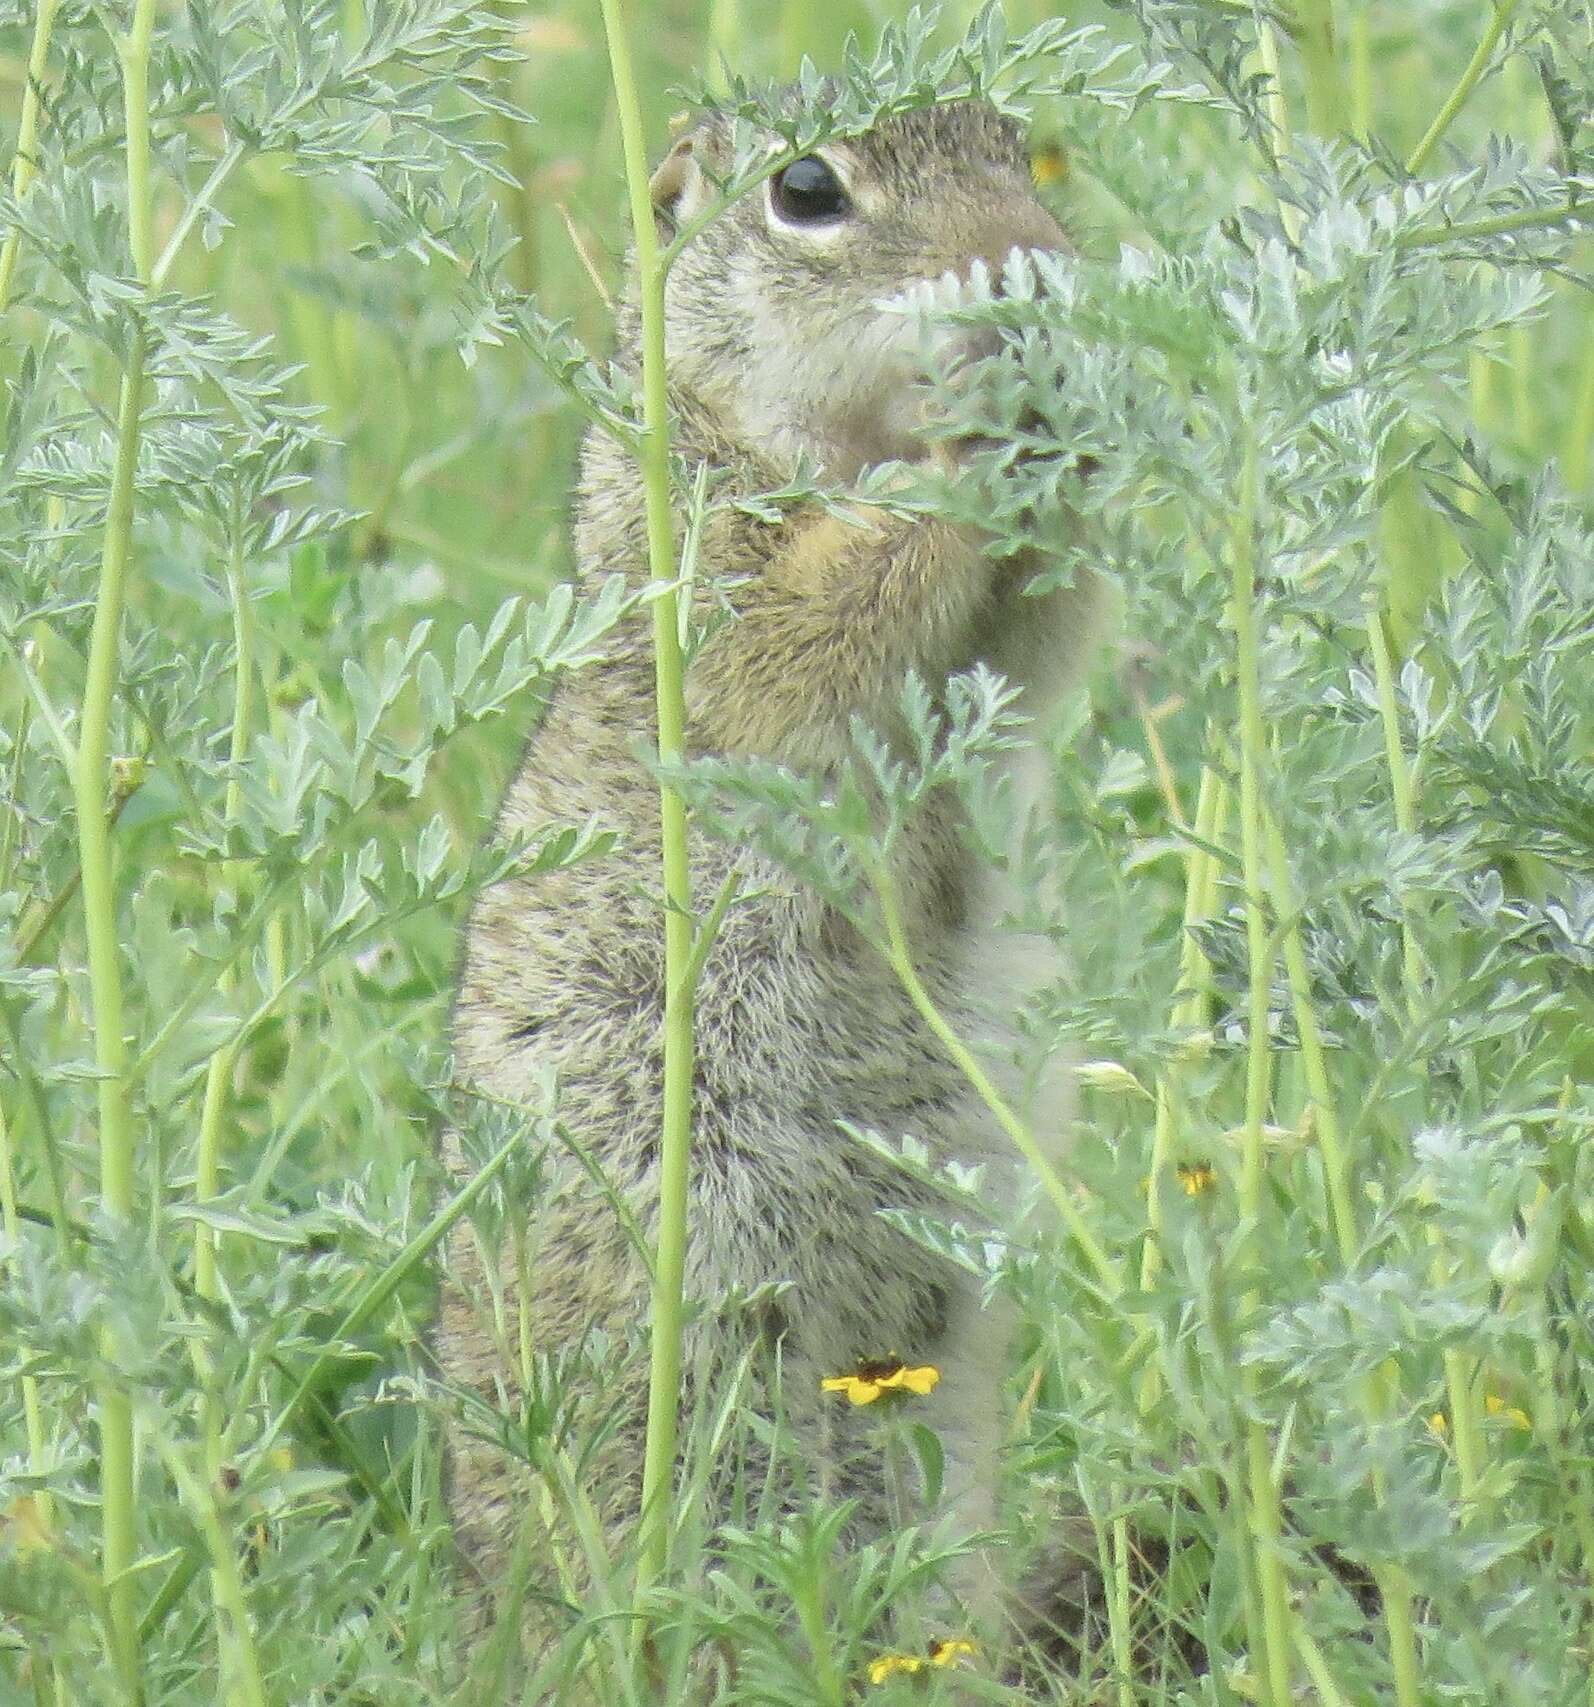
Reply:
x=779 y=352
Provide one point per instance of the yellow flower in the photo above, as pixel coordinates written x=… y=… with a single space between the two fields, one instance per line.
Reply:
x=888 y=1665
x=1048 y=165
x=948 y=1653
x=1497 y=1407
x=1197 y=1177
x=1439 y=1425
x=939 y=1653
x=885 y=1375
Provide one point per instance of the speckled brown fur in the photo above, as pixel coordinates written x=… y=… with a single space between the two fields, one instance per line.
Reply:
x=777 y=349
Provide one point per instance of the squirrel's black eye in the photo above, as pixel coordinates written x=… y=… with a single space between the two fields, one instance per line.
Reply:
x=807 y=192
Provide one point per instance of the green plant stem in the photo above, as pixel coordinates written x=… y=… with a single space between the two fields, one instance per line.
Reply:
x=1266 y=1521
x=219 y=174
x=235 y=1632
x=724 y=42
x=23 y=167
x=116 y=1143
x=1361 y=69
x=118 y=1470
x=382 y=1288
x=207 y=1182
x=32 y=1413
x=1316 y=36
x=664 y=1381
x=1277 y=102
x=224 y=1586
x=1330 y=1139
x=1189 y=1008
x=1459 y=1367
x=1580 y=428
x=1499 y=225
x=132 y=50
x=899 y=955
x=1393 y=1584
x=1501 y=11
x=1317 y=1669
x=1120 y=1608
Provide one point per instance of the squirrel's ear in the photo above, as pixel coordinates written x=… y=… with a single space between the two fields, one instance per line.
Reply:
x=677 y=188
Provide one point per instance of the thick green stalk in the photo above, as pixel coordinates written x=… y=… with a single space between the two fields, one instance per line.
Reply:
x=1459 y=1367
x=91 y=779
x=1361 y=70
x=664 y=1384
x=105 y=983
x=900 y=956
x=1266 y=1521
x=1315 y=32
x=724 y=42
x=22 y=162
x=1476 y=66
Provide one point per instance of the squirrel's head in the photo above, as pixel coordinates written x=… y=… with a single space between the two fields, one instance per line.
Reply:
x=776 y=313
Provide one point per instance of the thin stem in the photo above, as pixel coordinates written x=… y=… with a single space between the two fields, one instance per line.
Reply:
x=1500 y=225
x=664 y=1382
x=1393 y=1584
x=1120 y=1611
x=1266 y=1521
x=224 y=1587
x=900 y=957
x=1325 y=1115
x=219 y=174
x=1459 y=1366
x=241 y=1660
x=1189 y=1009
x=1468 y=81
x=1277 y=102
x=33 y=1416
x=23 y=162
x=207 y=1182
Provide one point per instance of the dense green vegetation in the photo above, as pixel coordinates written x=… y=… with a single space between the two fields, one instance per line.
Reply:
x=298 y=303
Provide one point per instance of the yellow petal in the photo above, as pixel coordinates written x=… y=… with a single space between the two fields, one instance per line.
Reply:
x=889 y=1664
x=921 y=1380
x=1196 y=1177
x=950 y=1652
x=1497 y=1407
x=858 y=1391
